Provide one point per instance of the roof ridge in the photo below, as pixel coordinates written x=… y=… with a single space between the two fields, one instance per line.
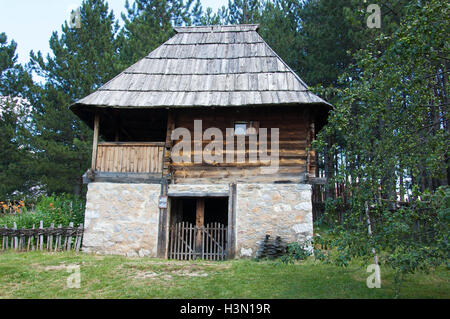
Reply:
x=217 y=28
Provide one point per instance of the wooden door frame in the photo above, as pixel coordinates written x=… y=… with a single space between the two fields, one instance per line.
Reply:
x=231 y=231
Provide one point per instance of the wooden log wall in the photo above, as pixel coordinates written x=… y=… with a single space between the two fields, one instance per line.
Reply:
x=130 y=157
x=296 y=132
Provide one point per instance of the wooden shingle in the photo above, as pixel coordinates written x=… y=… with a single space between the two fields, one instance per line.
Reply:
x=205 y=66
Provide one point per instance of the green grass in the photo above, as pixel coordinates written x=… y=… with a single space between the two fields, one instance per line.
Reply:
x=43 y=275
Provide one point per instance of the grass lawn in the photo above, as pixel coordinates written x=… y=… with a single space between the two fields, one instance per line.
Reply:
x=44 y=275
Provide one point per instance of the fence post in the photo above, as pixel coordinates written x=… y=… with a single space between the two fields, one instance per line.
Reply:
x=41 y=236
x=28 y=242
x=15 y=242
x=50 y=237
x=69 y=241
x=5 y=241
x=58 y=240
x=79 y=237
x=22 y=239
x=32 y=239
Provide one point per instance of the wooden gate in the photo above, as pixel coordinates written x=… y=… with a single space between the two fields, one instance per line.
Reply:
x=187 y=241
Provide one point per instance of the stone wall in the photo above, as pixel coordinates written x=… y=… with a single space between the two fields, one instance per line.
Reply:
x=122 y=219
x=276 y=209
x=198 y=189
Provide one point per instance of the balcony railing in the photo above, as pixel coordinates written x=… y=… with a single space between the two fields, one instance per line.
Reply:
x=130 y=157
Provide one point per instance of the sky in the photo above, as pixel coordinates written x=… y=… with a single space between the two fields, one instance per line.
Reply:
x=31 y=22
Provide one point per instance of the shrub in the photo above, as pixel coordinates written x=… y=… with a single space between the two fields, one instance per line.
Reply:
x=296 y=252
x=61 y=209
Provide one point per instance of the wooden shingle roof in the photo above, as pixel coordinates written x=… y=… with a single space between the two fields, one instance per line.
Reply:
x=205 y=66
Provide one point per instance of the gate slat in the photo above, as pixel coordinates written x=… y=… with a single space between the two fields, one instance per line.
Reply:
x=217 y=241
x=220 y=242
x=208 y=243
x=214 y=244
x=182 y=241
x=177 y=234
x=190 y=241
x=172 y=239
x=204 y=243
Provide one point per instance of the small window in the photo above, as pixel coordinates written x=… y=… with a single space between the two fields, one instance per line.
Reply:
x=240 y=128
x=246 y=128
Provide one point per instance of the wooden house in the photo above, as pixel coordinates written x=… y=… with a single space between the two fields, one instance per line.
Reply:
x=240 y=122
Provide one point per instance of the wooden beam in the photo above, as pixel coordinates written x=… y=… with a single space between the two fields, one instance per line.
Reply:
x=95 y=142
x=198 y=194
x=168 y=144
x=316 y=180
x=125 y=177
x=132 y=143
x=231 y=234
x=200 y=223
x=163 y=225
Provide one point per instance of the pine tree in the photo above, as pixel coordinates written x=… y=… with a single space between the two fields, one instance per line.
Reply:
x=149 y=23
x=83 y=59
x=15 y=175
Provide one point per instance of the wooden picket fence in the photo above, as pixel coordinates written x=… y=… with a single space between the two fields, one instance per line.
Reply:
x=50 y=239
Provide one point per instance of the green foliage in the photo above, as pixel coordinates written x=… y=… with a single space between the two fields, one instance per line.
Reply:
x=82 y=59
x=149 y=23
x=61 y=209
x=388 y=137
x=16 y=176
x=296 y=252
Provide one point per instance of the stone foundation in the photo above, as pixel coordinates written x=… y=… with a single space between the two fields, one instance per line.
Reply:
x=122 y=219
x=283 y=210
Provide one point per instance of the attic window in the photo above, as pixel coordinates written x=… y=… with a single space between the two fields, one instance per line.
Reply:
x=246 y=128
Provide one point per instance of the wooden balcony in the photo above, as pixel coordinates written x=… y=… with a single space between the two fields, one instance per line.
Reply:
x=130 y=157
x=124 y=162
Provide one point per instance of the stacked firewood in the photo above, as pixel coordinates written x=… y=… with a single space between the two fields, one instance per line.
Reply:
x=271 y=248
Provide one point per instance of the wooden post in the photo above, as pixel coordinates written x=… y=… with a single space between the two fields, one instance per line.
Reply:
x=162 y=229
x=22 y=240
x=95 y=142
x=168 y=144
x=5 y=240
x=79 y=237
x=69 y=240
x=41 y=237
x=200 y=223
x=58 y=239
x=33 y=239
x=50 y=238
x=312 y=153
x=15 y=242
x=231 y=235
